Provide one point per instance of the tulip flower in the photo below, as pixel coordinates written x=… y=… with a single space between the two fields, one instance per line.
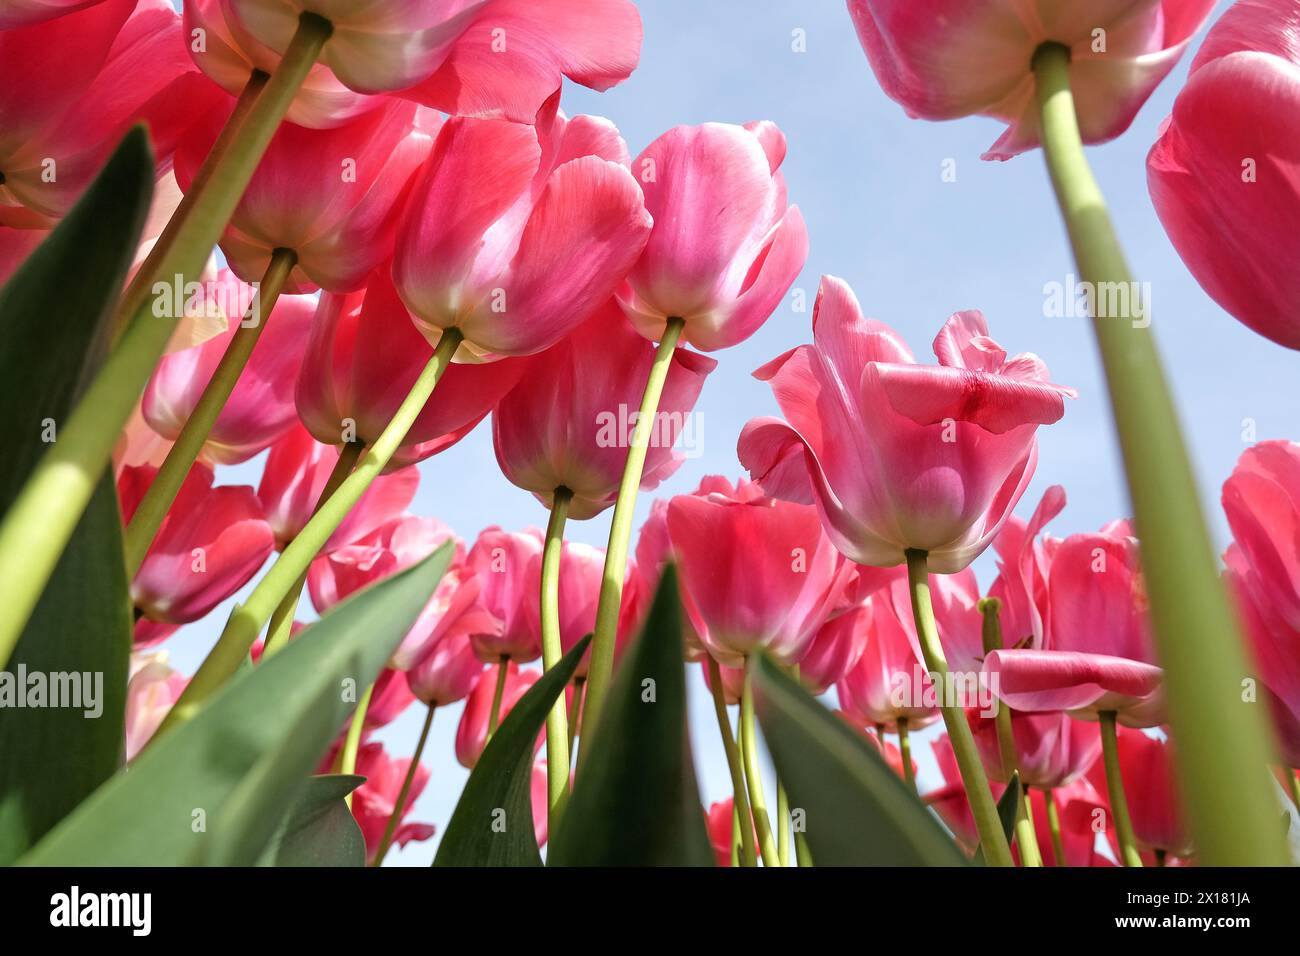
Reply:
x=1262 y=501
x=835 y=649
x=294 y=476
x=1024 y=563
x=76 y=84
x=1219 y=175
x=1119 y=53
x=389 y=699
x=497 y=691
x=1052 y=750
x=374 y=801
x=211 y=543
x=514 y=234
x=1147 y=765
x=363 y=356
x=150 y=693
x=19 y=13
x=886 y=687
x=569 y=422
x=447 y=673
x=897 y=455
x=506 y=565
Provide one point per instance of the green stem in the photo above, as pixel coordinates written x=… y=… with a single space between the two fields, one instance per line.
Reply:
x=735 y=835
x=151 y=511
x=575 y=710
x=783 y=822
x=352 y=743
x=557 y=724
x=620 y=529
x=1115 y=787
x=247 y=620
x=1231 y=804
x=740 y=798
x=905 y=752
x=1294 y=782
x=749 y=749
x=400 y=805
x=985 y=812
x=281 y=626
x=494 y=715
x=42 y=518
x=1054 y=825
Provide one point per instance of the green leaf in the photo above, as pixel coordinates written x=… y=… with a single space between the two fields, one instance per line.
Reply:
x=1008 y=809
x=319 y=829
x=636 y=802
x=857 y=811
x=499 y=790
x=213 y=790
x=55 y=311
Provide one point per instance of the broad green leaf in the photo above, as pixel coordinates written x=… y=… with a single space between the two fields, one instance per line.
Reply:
x=493 y=821
x=856 y=810
x=636 y=802
x=1008 y=808
x=214 y=789
x=319 y=829
x=54 y=312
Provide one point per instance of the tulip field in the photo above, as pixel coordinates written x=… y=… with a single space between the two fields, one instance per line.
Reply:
x=492 y=433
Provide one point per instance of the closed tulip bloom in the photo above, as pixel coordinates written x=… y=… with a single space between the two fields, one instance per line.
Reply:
x=1098 y=655
x=362 y=358
x=581 y=571
x=261 y=407
x=75 y=85
x=886 y=682
x=1024 y=561
x=505 y=563
x=150 y=693
x=374 y=801
x=1119 y=53
x=835 y=649
x=338 y=213
x=515 y=234
x=1262 y=501
x=725 y=247
x=721 y=827
x=1147 y=765
x=1222 y=174
x=898 y=455
x=569 y=422
x=211 y=543
x=471 y=732
x=1052 y=750
x=389 y=699
x=295 y=475
x=447 y=673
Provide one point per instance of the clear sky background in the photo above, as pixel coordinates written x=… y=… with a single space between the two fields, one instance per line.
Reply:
x=915 y=248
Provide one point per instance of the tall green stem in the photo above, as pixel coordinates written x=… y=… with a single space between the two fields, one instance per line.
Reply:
x=783 y=824
x=749 y=749
x=281 y=626
x=494 y=715
x=352 y=743
x=985 y=812
x=1115 y=787
x=1054 y=825
x=748 y=857
x=247 y=620
x=151 y=511
x=557 y=723
x=905 y=753
x=399 y=806
x=1230 y=802
x=42 y=518
x=575 y=710
x=1294 y=782
x=620 y=529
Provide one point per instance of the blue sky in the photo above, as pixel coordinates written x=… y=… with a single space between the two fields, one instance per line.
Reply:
x=915 y=249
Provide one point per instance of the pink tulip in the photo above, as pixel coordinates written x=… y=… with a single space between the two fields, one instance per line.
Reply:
x=261 y=408
x=389 y=699
x=1262 y=501
x=756 y=573
x=725 y=248
x=898 y=455
x=1052 y=750
x=882 y=685
x=1222 y=174
x=447 y=673
x=152 y=690
x=471 y=732
x=721 y=826
x=1146 y=764
x=505 y=563
x=362 y=358
x=569 y=422
x=1024 y=563
x=1098 y=654
x=515 y=234
x=15 y=246
x=835 y=649
x=210 y=544
x=1119 y=53
x=653 y=552
x=21 y=13
x=374 y=801
x=75 y=84
x=733 y=681
x=338 y=212
x=295 y=475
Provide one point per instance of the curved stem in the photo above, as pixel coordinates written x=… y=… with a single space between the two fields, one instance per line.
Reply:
x=352 y=743
x=575 y=709
x=1054 y=825
x=494 y=715
x=749 y=749
x=620 y=529
x=41 y=519
x=905 y=752
x=281 y=626
x=1115 y=787
x=1231 y=804
x=399 y=807
x=557 y=724
x=247 y=620
x=151 y=511
x=748 y=856
x=985 y=812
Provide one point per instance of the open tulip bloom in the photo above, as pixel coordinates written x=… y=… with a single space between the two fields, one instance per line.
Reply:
x=267 y=265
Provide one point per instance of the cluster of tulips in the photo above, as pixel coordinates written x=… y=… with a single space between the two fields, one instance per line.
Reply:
x=415 y=236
